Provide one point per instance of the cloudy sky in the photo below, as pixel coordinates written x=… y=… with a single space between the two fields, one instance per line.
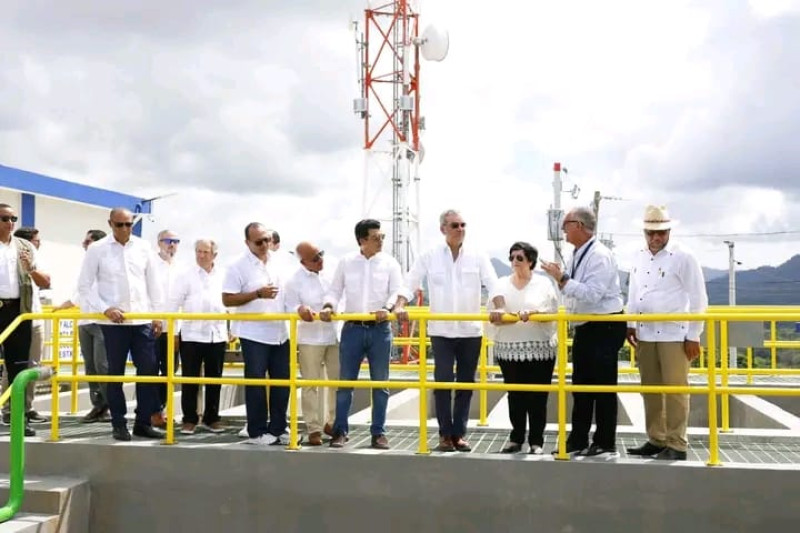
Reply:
x=243 y=110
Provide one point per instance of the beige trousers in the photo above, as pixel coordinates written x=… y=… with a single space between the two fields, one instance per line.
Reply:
x=666 y=415
x=318 y=362
x=34 y=357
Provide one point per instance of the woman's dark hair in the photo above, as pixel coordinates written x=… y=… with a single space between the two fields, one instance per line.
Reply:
x=363 y=227
x=531 y=253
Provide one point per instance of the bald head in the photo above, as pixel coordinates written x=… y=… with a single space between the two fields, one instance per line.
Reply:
x=310 y=256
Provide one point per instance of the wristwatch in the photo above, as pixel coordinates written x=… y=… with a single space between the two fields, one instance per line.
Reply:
x=564 y=278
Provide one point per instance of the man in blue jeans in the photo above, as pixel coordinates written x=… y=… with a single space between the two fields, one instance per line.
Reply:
x=253 y=285
x=371 y=281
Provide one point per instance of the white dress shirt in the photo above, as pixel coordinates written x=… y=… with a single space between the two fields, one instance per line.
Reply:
x=368 y=285
x=168 y=273
x=248 y=274
x=594 y=285
x=122 y=276
x=198 y=291
x=454 y=286
x=9 y=275
x=309 y=289
x=670 y=281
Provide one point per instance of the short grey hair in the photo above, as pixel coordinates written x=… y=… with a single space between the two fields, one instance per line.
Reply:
x=445 y=214
x=586 y=217
x=209 y=242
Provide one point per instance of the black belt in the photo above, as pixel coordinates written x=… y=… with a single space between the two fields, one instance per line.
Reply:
x=603 y=322
x=363 y=323
x=8 y=301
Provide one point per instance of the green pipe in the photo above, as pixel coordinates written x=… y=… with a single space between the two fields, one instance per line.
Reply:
x=16 y=489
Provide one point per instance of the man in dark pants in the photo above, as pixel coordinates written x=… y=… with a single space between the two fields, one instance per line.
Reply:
x=119 y=275
x=19 y=279
x=455 y=275
x=591 y=286
x=169 y=269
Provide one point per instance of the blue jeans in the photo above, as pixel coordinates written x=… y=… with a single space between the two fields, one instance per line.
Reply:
x=375 y=342
x=260 y=359
x=139 y=341
x=464 y=352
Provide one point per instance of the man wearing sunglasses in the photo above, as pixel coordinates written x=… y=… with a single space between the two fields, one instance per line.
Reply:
x=665 y=278
x=253 y=284
x=120 y=275
x=455 y=274
x=591 y=286
x=169 y=270
x=317 y=343
x=20 y=280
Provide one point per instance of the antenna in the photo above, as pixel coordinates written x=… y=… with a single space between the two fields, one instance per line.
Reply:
x=388 y=53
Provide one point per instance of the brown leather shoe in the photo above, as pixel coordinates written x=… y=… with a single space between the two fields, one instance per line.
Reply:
x=446 y=444
x=338 y=441
x=328 y=429
x=315 y=438
x=380 y=442
x=461 y=445
x=157 y=420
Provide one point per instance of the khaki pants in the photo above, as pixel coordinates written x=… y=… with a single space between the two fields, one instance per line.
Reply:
x=666 y=415
x=34 y=357
x=318 y=362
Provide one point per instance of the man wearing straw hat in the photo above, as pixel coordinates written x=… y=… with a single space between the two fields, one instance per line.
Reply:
x=665 y=278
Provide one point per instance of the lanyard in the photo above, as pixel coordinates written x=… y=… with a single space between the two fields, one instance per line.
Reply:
x=576 y=264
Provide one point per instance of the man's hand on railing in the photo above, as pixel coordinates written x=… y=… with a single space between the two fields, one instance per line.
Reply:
x=381 y=315
x=631 y=336
x=400 y=313
x=692 y=349
x=326 y=314
x=114 y=315
x=305 y=313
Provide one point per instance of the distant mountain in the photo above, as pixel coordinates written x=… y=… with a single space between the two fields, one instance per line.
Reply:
x=713 y=273
x=500 y=268
x=764 y=285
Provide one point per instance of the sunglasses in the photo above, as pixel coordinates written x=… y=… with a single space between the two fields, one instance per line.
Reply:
x=170 y=241
x=122 y=224
x=654 y=232
x=457 y=225
x=317 y=258
x=6 y=218
x=517 y=257
x=378 y=237
x=261 y=242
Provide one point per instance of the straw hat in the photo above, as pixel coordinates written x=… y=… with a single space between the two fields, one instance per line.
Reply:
x=657 y=218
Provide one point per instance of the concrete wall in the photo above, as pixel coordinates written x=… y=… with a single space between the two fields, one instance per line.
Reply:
x=239 y=488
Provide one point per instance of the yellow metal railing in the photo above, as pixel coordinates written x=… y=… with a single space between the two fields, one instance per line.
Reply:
x=711 y=389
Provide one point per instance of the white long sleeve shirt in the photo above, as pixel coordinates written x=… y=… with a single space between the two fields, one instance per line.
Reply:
x=454 y=286
x=248 y=274
x=121 y=276
x=309 y=289
x=670 y=281
x=198 y=291
x=368 y=285
x=594 y=285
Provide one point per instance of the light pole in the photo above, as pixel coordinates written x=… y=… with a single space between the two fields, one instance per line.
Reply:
x=732 y=262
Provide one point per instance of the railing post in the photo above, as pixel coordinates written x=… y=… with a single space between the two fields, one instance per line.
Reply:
x=773 y=335
x=73 y=404
x=562 y=381
x=713 y=437
x=484 y=394
x=749 y=365
x=54 y=390
x=723 y=363
x=423 y=389
x=294 y=440
x=170 y=436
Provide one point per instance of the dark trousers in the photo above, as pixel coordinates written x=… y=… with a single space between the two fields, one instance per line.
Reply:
x=259 y=360
x=139 y=341
x=196 y=355
x=464 y=354
x=16 y=348
x=528 y=407
x=161 y=349
x=595 y=349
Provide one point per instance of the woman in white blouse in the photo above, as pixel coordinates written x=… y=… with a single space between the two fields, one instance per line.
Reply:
x=526 y=350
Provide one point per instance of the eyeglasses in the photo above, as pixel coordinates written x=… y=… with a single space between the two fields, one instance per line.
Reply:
x=261 y=242
x=654 y=232
x=457 y=225
x=564 y=224
x=171 y=241
x=317 y=258
x=517 y=257
x=122 y=224
x=6 y=218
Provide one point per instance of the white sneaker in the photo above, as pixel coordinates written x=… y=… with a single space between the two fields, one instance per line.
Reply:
x=284 y=439
x=536 y=450
x=243 y=434
x=264 y=440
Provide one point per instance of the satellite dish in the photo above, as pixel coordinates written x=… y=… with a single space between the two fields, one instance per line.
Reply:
x=434 y=43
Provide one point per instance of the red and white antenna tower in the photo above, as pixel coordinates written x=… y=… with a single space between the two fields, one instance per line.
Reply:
x=389 y=52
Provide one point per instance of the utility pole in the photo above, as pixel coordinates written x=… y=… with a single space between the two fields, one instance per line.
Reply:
x=732 y=262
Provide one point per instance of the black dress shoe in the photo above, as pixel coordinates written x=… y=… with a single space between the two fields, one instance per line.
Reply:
x=668 y=454
x=595 y=450
x=35 y=418
x=646 y=449
x=571 y=448
x=29 y=431
x=121 y=433
x=148 y=432
x=512 y=447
